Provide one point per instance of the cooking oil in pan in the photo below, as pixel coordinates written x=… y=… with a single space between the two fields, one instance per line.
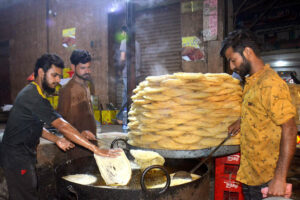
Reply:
x=153 y=179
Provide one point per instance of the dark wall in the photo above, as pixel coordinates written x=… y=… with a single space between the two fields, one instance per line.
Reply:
x=25 y=30
x=24 y=25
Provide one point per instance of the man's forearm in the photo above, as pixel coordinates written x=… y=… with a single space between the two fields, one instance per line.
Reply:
x=49 y=136
x=72 y=134
x=287 y=149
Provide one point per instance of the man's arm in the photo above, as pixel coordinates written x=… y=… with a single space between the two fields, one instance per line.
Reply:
x=62 y=143
x=123 y=57
x=277 y=185
x=72 y=134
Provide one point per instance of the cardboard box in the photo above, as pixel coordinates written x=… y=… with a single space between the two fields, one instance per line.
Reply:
x=97 y=115
x=108 y=116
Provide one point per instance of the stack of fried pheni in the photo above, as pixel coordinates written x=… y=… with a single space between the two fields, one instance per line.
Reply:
x=184 y=111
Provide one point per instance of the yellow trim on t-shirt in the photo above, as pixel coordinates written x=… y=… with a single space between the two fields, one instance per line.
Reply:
x=39 y=89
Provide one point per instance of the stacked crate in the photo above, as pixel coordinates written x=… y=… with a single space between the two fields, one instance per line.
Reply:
x=226 y=186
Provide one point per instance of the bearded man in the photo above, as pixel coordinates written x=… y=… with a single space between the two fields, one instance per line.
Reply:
x=267 y=125
x=74 y=102
x=31 y=110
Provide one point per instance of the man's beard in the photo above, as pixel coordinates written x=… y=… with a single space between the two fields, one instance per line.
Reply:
x=244 y=68
x=85 y=77
x=46 y=86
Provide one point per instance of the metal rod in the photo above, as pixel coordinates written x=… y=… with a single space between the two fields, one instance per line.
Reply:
x=209 y=156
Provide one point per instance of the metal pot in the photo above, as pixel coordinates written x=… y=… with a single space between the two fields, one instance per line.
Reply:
x=68 y=190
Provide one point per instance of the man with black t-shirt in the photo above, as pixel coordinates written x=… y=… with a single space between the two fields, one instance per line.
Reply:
x=24 y=128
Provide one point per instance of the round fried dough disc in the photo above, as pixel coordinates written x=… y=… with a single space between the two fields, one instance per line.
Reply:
x=187 y=139
x=150 y=106
x=233 y=141
x=141 y=101
x=217 y=129
x=203 y=133
x=170 y=144
x=225 y=91
x=133 y=124
x=210 y=141
x=196 y=95
x=218 y=98
x=194 y=86
x=221 y=135
x=171 y=132
x=163 y=111
x=158 y=79
x=212 y=89
x=163 y=126
x=146 y=128
x=197 y=146
x=174 y=121
x=151 y=137
x=184 y=101
x=157 y=97
x=135 y=133
x=231 y=86
x=186 y=127
x=138 y=95
x=222 y=76
x=132 y=118
x=172 y=83
x=154 y=89
x=189 y=76
x=201 y=111
x=175 y=92
x=153 y=115
x=184 y=108
x=146 y=120
x=197 y=123
x=233 y=80
x=185 y=115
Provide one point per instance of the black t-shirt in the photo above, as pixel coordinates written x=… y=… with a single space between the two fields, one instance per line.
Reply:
x=24 y=126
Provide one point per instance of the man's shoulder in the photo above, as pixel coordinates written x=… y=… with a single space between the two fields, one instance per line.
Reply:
x=29 y=90
x=270 y=77
x=70 y=85
x=72 y=88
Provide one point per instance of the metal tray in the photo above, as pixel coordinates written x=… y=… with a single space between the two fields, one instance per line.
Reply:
x=182 y=154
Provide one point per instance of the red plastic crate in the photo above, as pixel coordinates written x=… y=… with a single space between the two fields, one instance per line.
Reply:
x=226 y=171
x=226 y=189
x=231 y=159
x=227 y=166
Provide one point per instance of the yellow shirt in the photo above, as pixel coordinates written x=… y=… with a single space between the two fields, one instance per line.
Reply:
x=266 y=105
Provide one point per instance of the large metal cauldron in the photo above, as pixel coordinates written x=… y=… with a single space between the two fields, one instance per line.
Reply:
x=197 y=189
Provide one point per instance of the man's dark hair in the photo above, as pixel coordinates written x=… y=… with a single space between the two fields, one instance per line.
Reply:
x=124 y=28
x=80 y=56
x=46 y=61
x=238 y=40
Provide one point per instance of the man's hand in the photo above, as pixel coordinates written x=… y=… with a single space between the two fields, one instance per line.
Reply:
x=277 y=188
x=234 y=128
x=107 y=152
x=88 y=135
x=64 y=144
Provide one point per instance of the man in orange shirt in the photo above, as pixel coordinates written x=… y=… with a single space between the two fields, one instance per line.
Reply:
x=267 y=125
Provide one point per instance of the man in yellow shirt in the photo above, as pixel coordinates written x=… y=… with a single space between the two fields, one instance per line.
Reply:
x=267 y=125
